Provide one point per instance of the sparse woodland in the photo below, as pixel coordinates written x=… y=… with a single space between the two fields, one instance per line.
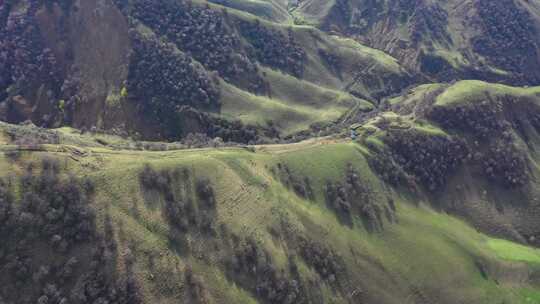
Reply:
x=43 y=235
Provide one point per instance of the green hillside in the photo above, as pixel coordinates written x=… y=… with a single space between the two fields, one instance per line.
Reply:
x=269 y=152
x=387 y=246
x=162 y=70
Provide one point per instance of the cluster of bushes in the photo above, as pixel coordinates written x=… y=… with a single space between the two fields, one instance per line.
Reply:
x=385 y=166
x=204 y=34
x=435 y=65
x=197 y=288
x=183 y=213
x=302 y=187
x=340 y=18
x=45 y=238
x=252 y=268
x=60 y=208
x=97 y=285
x=272 y=48
x=508 y=38
x=481 y=119
x=490 y=123
x=171 y=88
x=429 y=158
x=163 y=80
x=235 y=131
x=323 y=260
x=24 y=60
x=26 y=64
x=350 y=198
x=431 y=19
x=503 y=162
x=332 y=61
x=337 y=198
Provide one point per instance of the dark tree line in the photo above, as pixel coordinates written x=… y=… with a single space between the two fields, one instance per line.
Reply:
x=235 y=131
x=167 y=79
x=352 y=197
x=387 y=168
x=203 y=33
x=429 y=158
x=163 y=80
x=273 y=48
x=176 y=93
x=482 y=119
x=332 y=62
x=491 y=124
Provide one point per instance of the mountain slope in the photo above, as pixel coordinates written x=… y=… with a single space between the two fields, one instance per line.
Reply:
x=273 y=152
x=306 y=222
x=88 y=64
x=220 y=55
x=481 y=39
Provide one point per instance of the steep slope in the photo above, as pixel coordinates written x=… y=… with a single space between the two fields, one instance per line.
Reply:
x=298 y=223
x=472 y=145
x=481 y=39
x=165 y=69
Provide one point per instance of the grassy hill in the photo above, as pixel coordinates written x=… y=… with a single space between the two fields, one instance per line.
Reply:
x=151 y=152
x=317 y=221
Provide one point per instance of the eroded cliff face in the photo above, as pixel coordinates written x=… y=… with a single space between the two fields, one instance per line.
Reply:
x=101 y=47
x=62 y=60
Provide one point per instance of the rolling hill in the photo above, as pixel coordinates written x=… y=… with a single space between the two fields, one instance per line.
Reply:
x=423 y=208
x=201 y=152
